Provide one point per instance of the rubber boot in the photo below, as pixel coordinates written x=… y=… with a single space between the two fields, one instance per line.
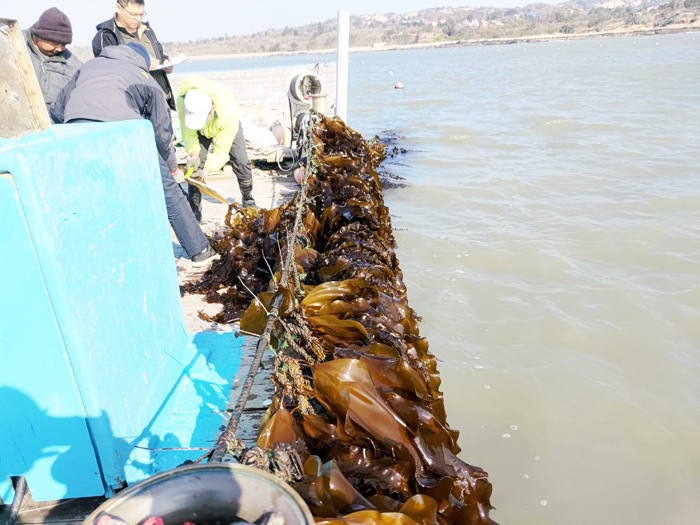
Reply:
x=194 y=197
x=247 y=201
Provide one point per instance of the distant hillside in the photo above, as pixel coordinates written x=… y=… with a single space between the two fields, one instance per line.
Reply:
x=436 y=25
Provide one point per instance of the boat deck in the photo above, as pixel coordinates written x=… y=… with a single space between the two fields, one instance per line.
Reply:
x=253 y=89
x=270 y=189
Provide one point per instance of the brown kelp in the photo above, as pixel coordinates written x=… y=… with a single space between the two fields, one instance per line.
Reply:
x=358 y=392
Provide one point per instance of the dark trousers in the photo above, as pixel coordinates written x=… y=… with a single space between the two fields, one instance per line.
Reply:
x=241 y=167
x=181 y=218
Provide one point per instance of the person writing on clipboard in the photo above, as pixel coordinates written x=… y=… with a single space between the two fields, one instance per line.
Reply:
x=126 y=26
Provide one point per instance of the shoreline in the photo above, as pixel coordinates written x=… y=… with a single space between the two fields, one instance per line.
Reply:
x=693 y=28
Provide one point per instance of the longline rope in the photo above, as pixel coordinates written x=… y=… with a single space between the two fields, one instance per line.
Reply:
x=228 y=436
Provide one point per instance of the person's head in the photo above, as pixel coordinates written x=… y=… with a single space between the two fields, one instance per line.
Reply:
x=130 y=13
x=52 y=32
x=199 y=109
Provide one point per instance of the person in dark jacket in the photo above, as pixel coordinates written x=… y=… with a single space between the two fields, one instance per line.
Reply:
x=127 y=26
x=116 y=86
x=53 y=64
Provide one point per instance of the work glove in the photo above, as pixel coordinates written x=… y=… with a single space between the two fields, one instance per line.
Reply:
x=192 y=162
x=199 y=174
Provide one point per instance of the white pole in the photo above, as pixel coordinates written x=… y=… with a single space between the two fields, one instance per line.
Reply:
x=341 y=84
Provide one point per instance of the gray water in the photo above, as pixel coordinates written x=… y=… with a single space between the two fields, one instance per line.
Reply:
x=550 y=238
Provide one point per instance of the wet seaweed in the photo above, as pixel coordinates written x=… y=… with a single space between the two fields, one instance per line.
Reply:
x=358 y=392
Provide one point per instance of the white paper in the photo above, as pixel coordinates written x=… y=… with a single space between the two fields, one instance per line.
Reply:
x=173 y=62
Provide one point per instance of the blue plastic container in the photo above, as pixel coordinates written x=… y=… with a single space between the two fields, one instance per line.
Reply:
x=94 y=355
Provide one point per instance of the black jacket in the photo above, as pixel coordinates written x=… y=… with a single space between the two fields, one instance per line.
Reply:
x=116 y=86
x=108 y=34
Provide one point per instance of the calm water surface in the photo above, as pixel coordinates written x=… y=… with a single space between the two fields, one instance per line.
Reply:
x=550 y=238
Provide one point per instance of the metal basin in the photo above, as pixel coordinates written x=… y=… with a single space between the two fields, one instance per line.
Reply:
x=205 y=493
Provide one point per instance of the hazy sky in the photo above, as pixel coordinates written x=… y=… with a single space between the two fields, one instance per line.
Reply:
x=182 y=20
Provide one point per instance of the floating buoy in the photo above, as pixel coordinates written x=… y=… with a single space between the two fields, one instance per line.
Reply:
x=398 y=85
x=391 y=72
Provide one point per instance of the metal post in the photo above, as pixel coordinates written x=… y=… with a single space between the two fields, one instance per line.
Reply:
x=341 y=98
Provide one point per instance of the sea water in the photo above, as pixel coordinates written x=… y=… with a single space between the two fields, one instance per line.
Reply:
x=549 y=236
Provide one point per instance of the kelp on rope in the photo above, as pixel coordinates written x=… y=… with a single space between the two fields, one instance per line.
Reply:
x=357 y=390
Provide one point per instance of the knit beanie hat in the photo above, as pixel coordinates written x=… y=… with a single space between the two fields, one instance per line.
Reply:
x=141 y=50
x=54 y=26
